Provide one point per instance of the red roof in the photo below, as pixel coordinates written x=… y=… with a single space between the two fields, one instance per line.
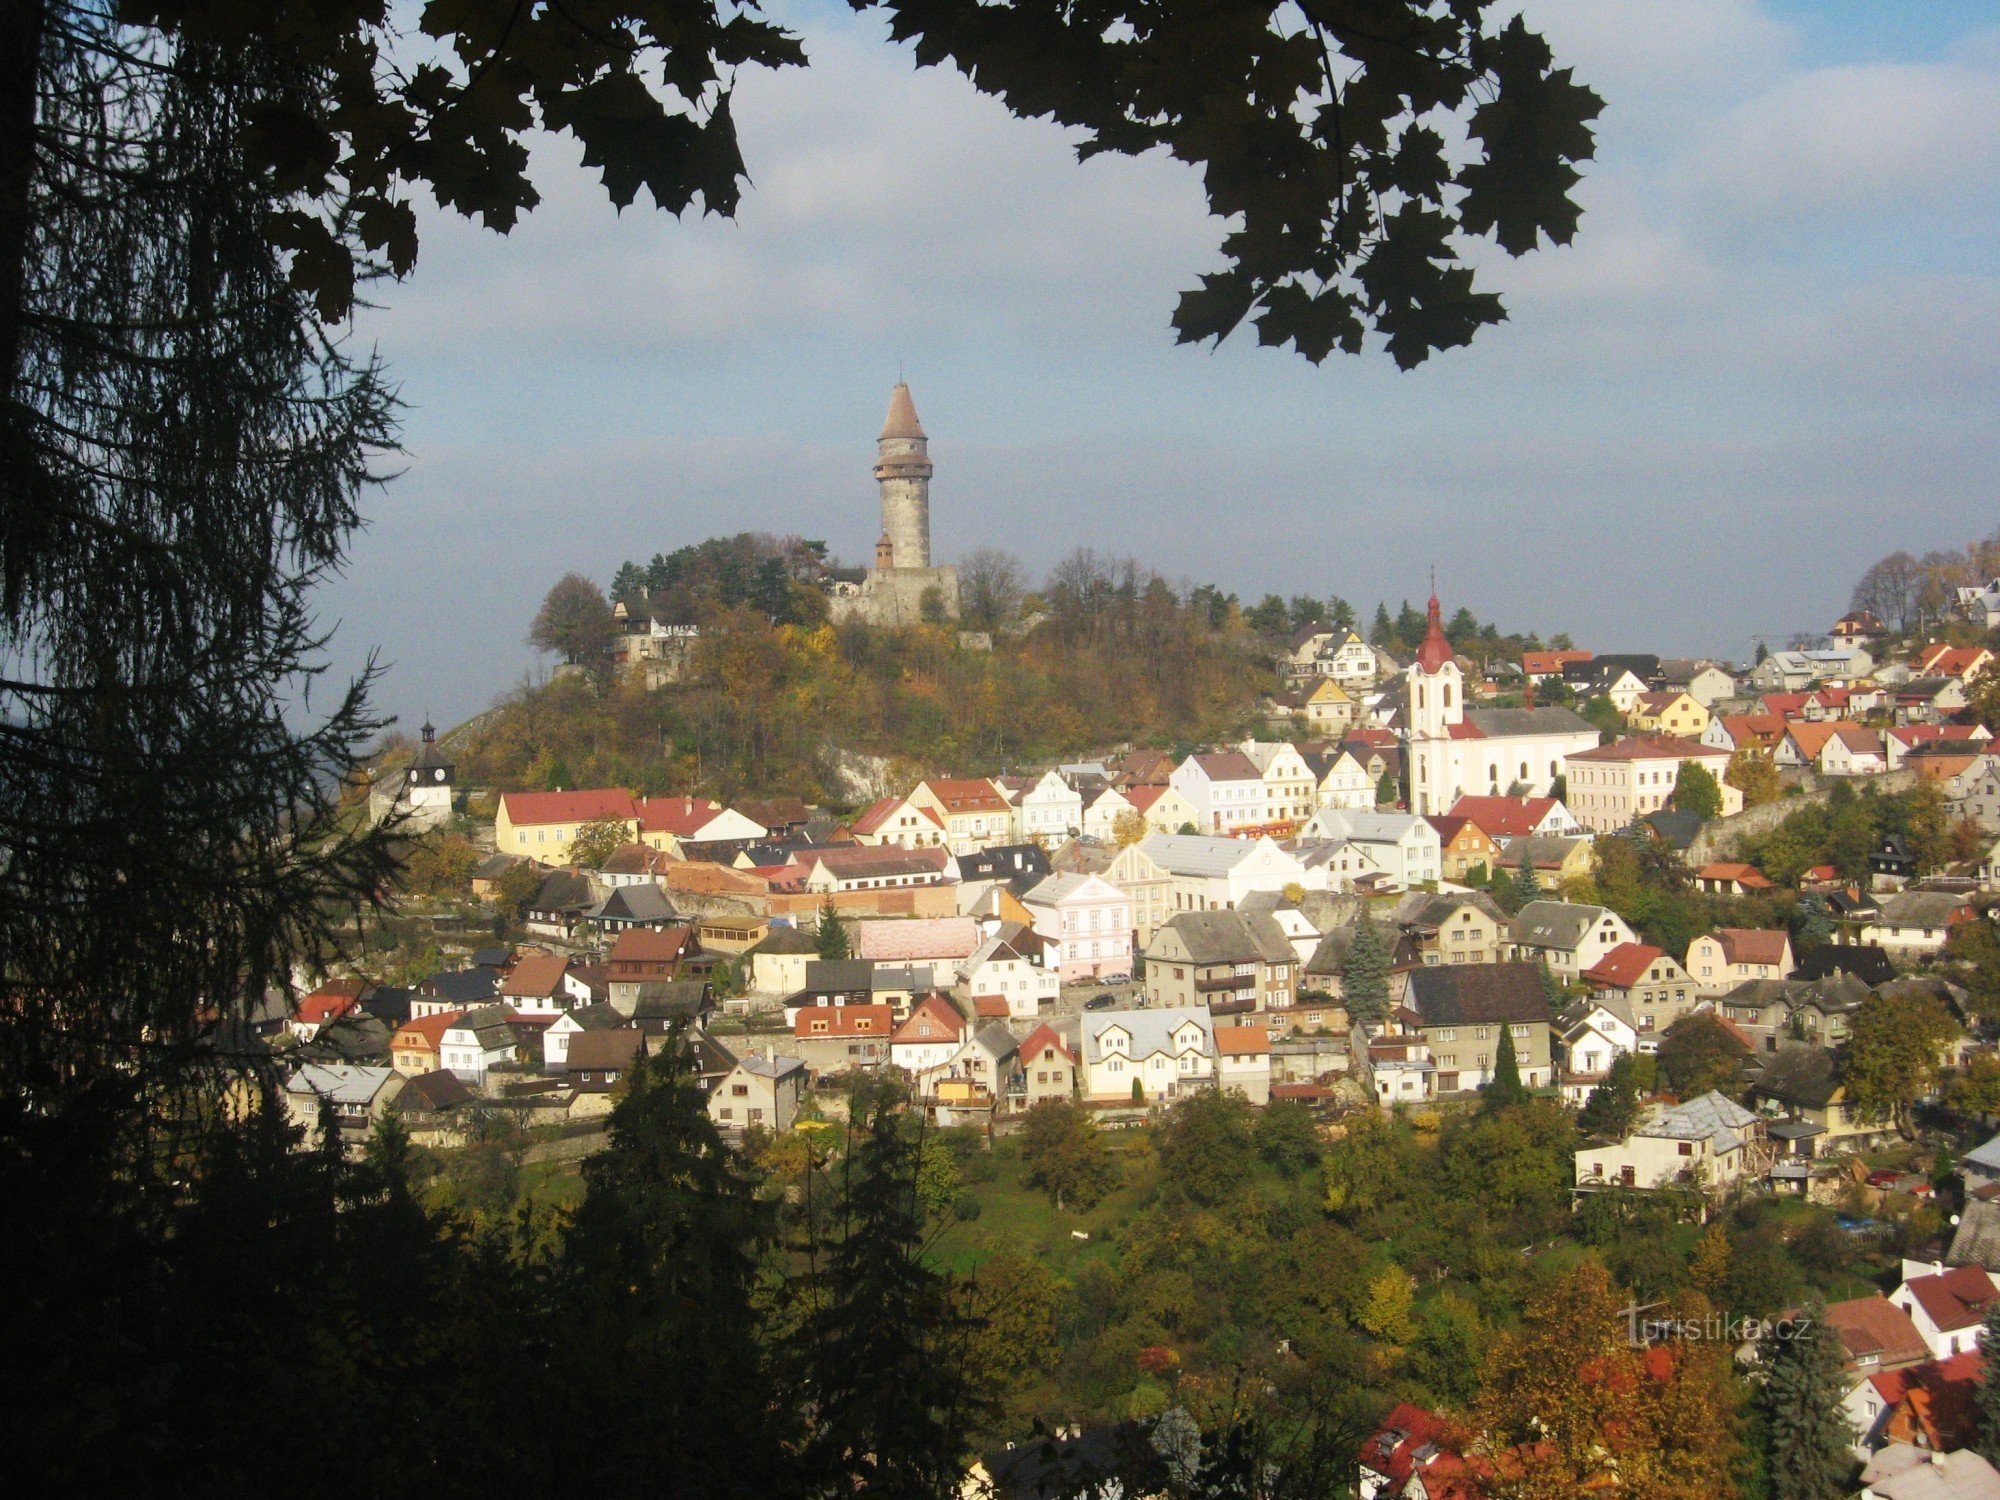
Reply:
x=1785 y=705
x=1762 y=731
x=643 y=945
x=1042 y=1037
x=875 y=815
x=990 y=1007
x=1143 y=797
x=935 y=1019
x=1955 y=1299
x=679 y=816
x=1652 y=747
x=1950 y=661
x=1504 y=817
x=567 y=807
x=1748 y=876
x=1625 y=965
x=331 y=1001
x=536 y=975
x=1435 y=651
x=960 y=796
x=1549 y=663
x=426 y=1032
x=1877 y=1328
x=1752 y=945
x=1933 y=1406
x=845 y=1020
x=1241 y=1041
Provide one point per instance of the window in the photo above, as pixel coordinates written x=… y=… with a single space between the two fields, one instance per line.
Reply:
x=738 y=1090
x=1686 y=1148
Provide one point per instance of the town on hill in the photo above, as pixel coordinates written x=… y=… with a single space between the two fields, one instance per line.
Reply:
x=1467 y=999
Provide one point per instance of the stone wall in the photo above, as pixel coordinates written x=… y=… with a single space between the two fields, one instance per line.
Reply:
x=1721 y=838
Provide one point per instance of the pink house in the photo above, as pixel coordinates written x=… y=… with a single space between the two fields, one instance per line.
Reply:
x=1088 y=924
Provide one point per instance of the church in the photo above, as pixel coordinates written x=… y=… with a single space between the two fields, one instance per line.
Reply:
x=1450 y=750
x=902 y=588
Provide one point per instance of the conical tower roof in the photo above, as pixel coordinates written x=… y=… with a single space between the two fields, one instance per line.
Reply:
x=902 y=420
x=1436 y=650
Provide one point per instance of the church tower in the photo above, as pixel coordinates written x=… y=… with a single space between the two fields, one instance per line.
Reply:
x=903 y=470
x=1436 y=708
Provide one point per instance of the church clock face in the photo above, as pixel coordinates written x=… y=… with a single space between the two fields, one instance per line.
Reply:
x=438 y=774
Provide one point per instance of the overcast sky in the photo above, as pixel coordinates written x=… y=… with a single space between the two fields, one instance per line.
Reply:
x=1772 y=355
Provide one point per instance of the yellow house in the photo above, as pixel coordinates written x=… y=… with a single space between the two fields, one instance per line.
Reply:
x=1329 y=707
x=1670 y=712
x=1163 y=807
x=541 y=825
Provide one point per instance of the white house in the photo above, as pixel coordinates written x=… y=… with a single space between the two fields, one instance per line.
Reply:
x=924 y=1045
x=1050 y=811
x=1225 y=789
x=995 y=968
x=1598 y=1033
x=1243 y=1062
x=1947 y=1305
x=1710 y=1142
x=1344 y=782
x=1165 y=1052
x=1569 y=937
x=1291 y=791
x=1403 y=846
x=1981 y=604
x=1211 y=874
x=476 y=1042
x=1916 y=922
x=1101 y=815
x=571 y=1024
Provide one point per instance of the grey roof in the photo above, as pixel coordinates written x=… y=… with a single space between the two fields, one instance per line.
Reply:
x=997 y=1039
x=1223 y=937
x=838 y=975
x=433 y=1093
x=1712 y=1117
x=1196 y=853
x=634 y=903
x=1921 y=908
x=1365 y=827
x=601 y=1016
x=774 y=1068
x=1544 y=850
x=1434 y=911
x=1151 y=1029
x=1987 y=1156
x=1471 y=994
x=1054 y=888
x=1977 y=1242
x=786 y=940
x=488 y=1025
x=342 y=1083
x=1675 y=827
x=1556 y=924
x=562 y=890
x=667 y=999
x=463 y=986
x=1331 y=953
x=1513 y=723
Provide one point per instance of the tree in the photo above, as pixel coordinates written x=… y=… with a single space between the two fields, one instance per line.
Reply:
x=1752 y=772
x=1699 y=1054
x=1129 y=827
x=1812 y=923
x=887 y=1339
x=1065 y=1156
x=1206 y=1147
x=938 y=1177
x=1895 y=1051
x=1288 y=1138
x=1988 y=1442
x=1976 y=1090
x=990 y=588
x=1364 y=975
x=830 y=935
x=441 y=865
x=662 y=1258
x=1696 y=791
x=1386 y=1310
x=518 y=885
x=1504 y=1089
x=1613 y=1106
x=574 y=622
x=1810 y=1450
x=1524 y=885
x=1387 y=793
x=1708 y=1268
x=597 y=840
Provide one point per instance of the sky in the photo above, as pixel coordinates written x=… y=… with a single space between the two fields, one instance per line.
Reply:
x=1771 y=356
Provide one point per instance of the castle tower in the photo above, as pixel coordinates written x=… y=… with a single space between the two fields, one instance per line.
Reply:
x=903 y=469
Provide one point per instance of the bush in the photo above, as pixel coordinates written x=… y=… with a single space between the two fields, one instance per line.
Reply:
x=967 y=1208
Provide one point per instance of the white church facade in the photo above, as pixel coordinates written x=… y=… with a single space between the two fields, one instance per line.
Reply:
x=1451 y=751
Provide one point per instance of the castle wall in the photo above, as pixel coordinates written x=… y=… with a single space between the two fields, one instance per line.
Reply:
x=894 y=597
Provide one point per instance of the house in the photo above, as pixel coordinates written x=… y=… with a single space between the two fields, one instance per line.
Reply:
x=655 y=1005
x=557 y=908
x=1106 y=807
x=414 y=1048
x=1467 y=929
x=1932 y=1408
x=1704 y=681
x=629 y=906
x=1979 y=795
x=1552 y=861
x=1300 y=930
x=998 y=968
x=477 y=1042
x=539 y=984
x=1603 y=677
x=596 y=1059
x=1210 y=873
x=1225 y=789
x=1711 y=1143
x=1832 y=747
x=967 y=813
x=1914 y=923
x=1326 y=707
x=1048 y=812
x=1154 y=1054
x=1800 y=1081
x=1569 y=937
x=983 y=1065
x=1891 y=865
x=1232 y=962
x=896 y=823
x=1902 y=1471
x=777 y=962
x=1947 y=1306
x=1723 y=959
x=428 y=1106
x=571 y=1024
x=1729 y=878
x=1928 y=700
x=1018 y=865
x=1503 y=818
x=1875 y=1335
x=942 y=942
x=1463 y=847
x=1594 y=1033
x=1243 y=1062
x=454 y=990
x=1401 y=1070
x=1291 y=789
x=1045 y=1067
x=857 y=981
x=762 y=1092
x=1163 y=807
x=353 y=1097
x=691 y=826
x=837 y=869
x=1941 y=660
x=1608 y=787
x=1460 y=1010
x=1733 y=732
x=841 y=1038
x=1672 y=711
x=648 y=956
x=1403 y=846
x=1088 y=922
x=929 y=1038
x=1981 y=604
x=1415 y=1455
x=1654 y=988
x=325 y=1005
x=541 y=825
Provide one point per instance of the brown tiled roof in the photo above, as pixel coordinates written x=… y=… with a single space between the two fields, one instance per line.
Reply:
x=1874 y=1326
x=845 y=1020
x=1752 y=945
x=590 y=1051
x=1504 y=817
x=643 y=945
x=1228 y=765
x=1461 y=994
x=536 y=976
x=1625 y=965
x=1652 y=747
x=902 y=419
x=1955 y=1299
x=1241 y=1041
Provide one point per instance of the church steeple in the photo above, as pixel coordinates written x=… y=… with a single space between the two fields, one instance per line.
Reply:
x=1436 y=650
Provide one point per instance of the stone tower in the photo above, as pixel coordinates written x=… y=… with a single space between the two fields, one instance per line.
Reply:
x=903 y=469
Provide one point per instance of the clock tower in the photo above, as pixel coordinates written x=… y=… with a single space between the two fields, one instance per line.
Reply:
x=428 y=784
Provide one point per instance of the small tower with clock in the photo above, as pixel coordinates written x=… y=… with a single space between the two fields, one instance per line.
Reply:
x=428 y=784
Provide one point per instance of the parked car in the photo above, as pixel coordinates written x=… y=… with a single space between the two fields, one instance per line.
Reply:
x=1100 y=1002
